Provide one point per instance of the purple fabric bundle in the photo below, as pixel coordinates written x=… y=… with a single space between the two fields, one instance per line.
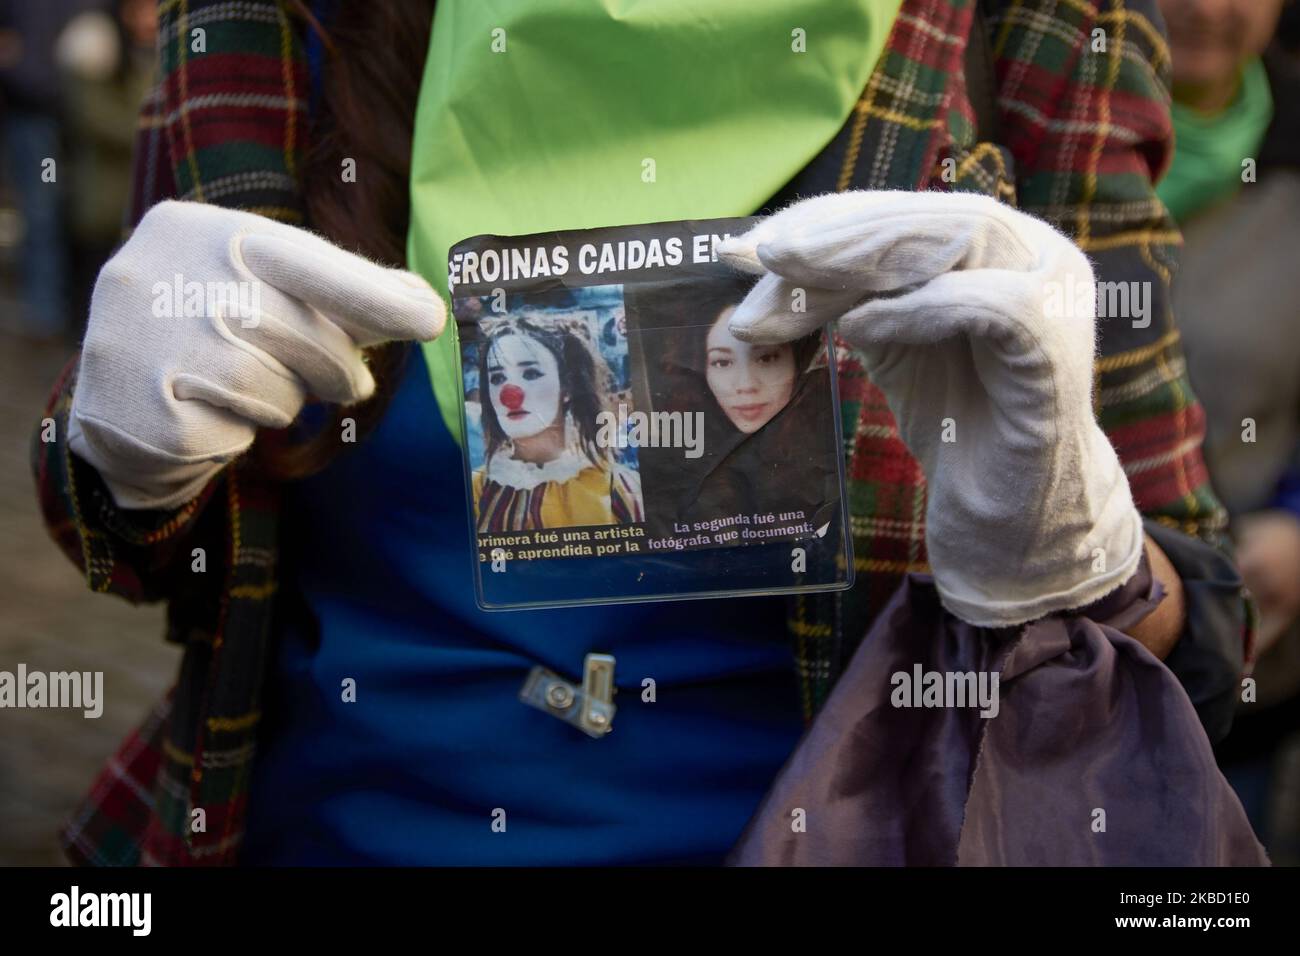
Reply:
x=1095 y=756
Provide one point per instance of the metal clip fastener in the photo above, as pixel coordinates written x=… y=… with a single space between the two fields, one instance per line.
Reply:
x=590 y=707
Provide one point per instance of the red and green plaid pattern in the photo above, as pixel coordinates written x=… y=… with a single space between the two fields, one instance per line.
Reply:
x=1084 y=131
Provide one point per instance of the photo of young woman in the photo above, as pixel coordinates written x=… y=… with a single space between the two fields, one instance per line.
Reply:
x=542 y=386
x=768 y=427
x=751 y=384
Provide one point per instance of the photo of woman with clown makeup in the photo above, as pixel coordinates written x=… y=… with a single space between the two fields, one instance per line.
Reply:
x=542 y=386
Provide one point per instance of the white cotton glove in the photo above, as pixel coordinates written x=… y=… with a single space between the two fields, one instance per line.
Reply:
x=946 y=296
x=164 y=399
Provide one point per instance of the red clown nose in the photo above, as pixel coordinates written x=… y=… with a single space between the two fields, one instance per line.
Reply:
x=512 y=397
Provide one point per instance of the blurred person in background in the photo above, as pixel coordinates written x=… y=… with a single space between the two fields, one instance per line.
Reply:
x=1234 y=187
x=29 y=90
x=106 y=63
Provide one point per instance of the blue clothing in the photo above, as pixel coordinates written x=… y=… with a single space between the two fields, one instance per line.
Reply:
x=29 y=139
x=376 y=549
x=1287 y=495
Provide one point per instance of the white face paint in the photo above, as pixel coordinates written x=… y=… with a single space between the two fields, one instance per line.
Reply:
x=523 y=385
x=752 y=383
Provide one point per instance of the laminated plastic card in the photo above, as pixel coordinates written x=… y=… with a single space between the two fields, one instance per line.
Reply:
x=620 y=444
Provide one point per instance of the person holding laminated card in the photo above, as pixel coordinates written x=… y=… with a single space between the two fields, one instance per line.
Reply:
x=1024 y=511
x=544 y=466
